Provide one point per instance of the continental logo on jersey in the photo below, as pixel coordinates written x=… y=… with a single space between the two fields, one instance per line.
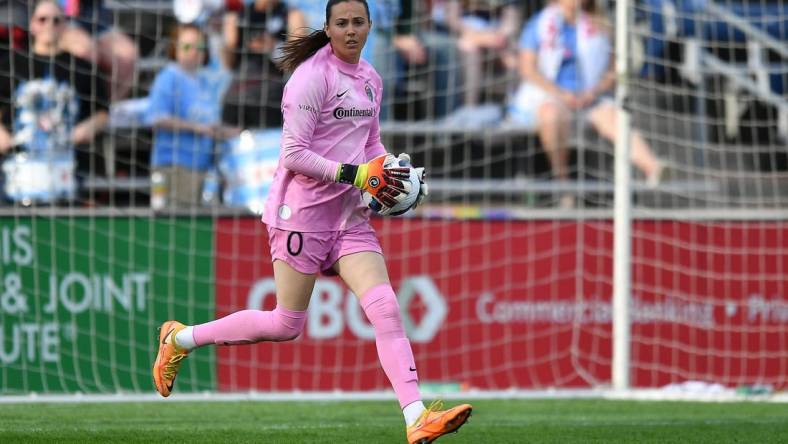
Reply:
x=346 y=113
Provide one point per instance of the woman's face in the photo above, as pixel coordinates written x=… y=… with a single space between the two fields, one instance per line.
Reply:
x=347 y=27
x=47 y=24
x=190 y=51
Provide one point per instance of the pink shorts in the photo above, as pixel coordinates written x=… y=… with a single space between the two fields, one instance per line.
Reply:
x=312 y=253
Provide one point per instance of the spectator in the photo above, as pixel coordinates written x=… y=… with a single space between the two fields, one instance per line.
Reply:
x=91 y=36
x=49 y=97
x=252 y=38
x=398 y=51
x=566 y=68
x=439 y=36
x=185 y=110
x=488 y=32
x=416 y=63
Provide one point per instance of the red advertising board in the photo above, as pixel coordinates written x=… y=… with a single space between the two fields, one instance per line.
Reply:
x=526 y=304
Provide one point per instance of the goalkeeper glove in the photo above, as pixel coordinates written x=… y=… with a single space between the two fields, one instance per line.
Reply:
x=382 y=177
x=404 y=159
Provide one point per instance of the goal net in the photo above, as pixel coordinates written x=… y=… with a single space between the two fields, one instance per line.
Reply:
x=505 y=277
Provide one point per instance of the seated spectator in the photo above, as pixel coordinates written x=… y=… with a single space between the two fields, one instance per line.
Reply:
x=411 y=59
x=439 y=35
x=566 y=68
x=91 y=36
x=49 y=98
x=487 y=44
x=252 y=38
x=389 y=46
x=185 y=110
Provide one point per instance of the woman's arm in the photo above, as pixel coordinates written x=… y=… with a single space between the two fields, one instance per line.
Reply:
x=454 y=16
x=529 y=71
x=495 y=38
x=510 y=21
x=304 y=161
x=6 y=139
x=296 y=24
x=181 y=125
x=86 y=130
x=162 y=110
x=230 y=31
x=301 y=104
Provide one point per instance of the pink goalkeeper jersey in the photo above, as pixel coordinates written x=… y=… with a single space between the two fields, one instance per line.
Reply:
x=330 y=111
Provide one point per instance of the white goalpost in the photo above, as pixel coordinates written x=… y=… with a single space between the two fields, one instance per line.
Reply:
x=622 y=212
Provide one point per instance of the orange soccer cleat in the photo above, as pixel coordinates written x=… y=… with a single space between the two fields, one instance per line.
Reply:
x=168 y=361
x=434 y=423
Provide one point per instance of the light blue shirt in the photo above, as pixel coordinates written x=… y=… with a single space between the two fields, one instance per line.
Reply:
x=568 y=77
x=192 y=97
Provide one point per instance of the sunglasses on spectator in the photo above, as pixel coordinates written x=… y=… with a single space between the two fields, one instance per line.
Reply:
x=190 y=46
x=56 y=20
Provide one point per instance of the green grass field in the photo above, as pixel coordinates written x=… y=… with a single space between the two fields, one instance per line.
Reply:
x=510 y=421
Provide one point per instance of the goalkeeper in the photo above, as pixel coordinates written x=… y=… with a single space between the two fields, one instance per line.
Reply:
x=315 y=217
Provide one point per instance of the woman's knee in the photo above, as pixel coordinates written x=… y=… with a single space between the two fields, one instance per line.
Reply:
x=553 y=123
x=603 y=119
x=383 y=311
x=287 y=324
x=552 y=116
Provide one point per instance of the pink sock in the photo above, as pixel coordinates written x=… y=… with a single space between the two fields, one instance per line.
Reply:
x=249 y=326
x=396 y=357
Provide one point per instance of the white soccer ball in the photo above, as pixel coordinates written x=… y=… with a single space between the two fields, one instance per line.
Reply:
x=403 y=206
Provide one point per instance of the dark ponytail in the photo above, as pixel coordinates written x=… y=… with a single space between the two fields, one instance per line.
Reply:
x=298 y=49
